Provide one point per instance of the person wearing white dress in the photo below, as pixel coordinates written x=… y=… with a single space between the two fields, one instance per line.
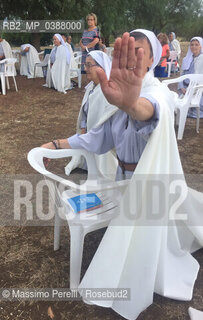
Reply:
x=5 y=49
x=192 y=64
x=58 y=73
x=147 y=247
x=5 y=52
x=174 y=44
x=29 y=57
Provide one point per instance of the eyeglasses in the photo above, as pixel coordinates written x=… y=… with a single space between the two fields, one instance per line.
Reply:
x=89 y=65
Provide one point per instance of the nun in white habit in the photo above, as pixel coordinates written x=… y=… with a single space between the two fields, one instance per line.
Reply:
x=147 y=248
x=174 y=44
x=58 y=73
x=95 y=109
x=5 y=49
x=192 y=64
x=29 y=57
x=5 y=52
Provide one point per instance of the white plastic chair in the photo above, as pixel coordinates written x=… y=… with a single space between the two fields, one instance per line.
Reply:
x=173 y=57
x=78 y=70
x=182 y=105
x=41 y=52
x=9 y=70
x=42 y=64
x=195 y=103
x=16 y=54
x=83 y=223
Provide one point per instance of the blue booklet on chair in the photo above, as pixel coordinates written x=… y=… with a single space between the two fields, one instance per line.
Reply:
x=85 y=202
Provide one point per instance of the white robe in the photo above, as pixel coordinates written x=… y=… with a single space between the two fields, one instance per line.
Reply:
x=140 y=250
x=176 y=45
x=60 y=71
x=28 y=62
x=7 y=49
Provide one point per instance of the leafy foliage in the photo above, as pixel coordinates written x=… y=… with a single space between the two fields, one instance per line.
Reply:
x=185 y=17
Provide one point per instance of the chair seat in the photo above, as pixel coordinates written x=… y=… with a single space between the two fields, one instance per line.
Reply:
x=102 y=213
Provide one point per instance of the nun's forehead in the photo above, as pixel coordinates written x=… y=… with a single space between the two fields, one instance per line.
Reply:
x=195 y=40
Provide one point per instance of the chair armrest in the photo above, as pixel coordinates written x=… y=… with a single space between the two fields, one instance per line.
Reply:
x=179 y=79
x=2 y=61
x=35 y=158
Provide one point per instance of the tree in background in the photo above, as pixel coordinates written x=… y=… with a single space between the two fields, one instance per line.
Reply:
x=182 y=16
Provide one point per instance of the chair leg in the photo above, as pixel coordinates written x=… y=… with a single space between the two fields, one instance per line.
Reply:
x=169 y=69
x=14 y=80
x=57 y=230
x=79 y=79
x=181 y=126
x=3 y=84
x=177 y=117
x=76 y=251
x=197 y=122
x=7 y=81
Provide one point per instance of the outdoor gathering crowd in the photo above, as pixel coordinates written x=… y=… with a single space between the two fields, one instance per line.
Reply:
x=127 y=109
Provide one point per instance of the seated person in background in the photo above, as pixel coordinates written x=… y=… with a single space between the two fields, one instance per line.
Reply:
x=94 y=109
x=192 y=63
x=69 y=40
x=5 y=53
x=73 y=64
x=174 y=45
x=160 y=70
x=5 y=49
x=58 y=75
x=102 y=46
x=29 y=56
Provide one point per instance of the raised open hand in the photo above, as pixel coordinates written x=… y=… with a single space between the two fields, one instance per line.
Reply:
x=123 y=87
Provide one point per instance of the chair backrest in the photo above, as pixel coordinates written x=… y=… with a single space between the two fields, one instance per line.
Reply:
x=46 y=59
x=78 y=59
x=196 y=77
x=195 y=80
x=41 y=52
x=47 y=51
x=77 y=54
x=173 y=55
x=198 y=91
x=9 y=70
